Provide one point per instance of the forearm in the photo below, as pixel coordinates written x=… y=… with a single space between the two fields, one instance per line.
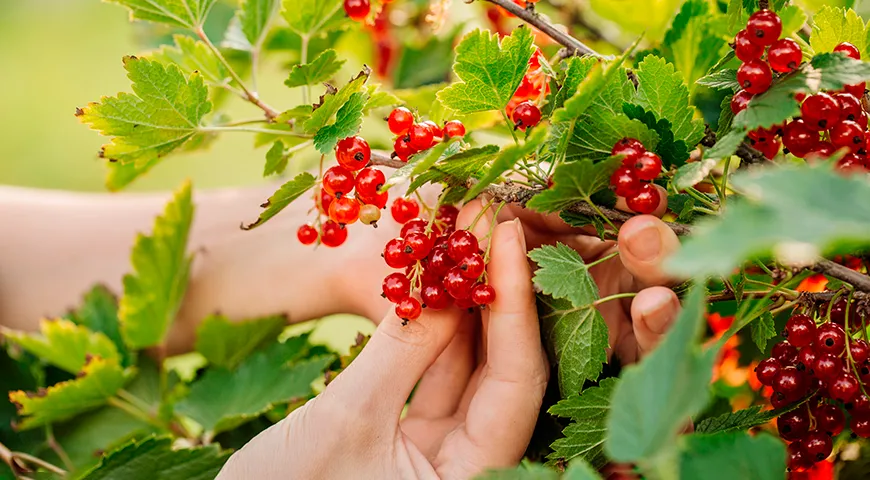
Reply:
x=56 y=245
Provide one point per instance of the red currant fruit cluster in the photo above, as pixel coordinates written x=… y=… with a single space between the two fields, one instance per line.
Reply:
x=413 y=137
x=443 y=265
x=334 y=200
x=633 y=179
x=818 y=359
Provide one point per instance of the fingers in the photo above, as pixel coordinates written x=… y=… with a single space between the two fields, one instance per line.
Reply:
x=503 y=412
x=645 y=242
x=652 y=312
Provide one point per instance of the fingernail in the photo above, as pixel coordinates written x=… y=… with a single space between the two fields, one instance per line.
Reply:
x=645 y=244
x=521 y=233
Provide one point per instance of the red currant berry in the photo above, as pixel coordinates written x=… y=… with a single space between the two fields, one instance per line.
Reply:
x=461 y=244
x=740 y=101
x=790 y=382
x=806 y=358
x=648 y=166
x=745 y=49
x=400 y=121
x=418 y=245
x=472 y=266
x=332 y=234
x=357 y=9
x=439 y=261
x=795 y=424
x=456 y=285
x=404 y=209
x=437 y=132
x=799 y=138
x=338 y=181
x=766 y=371
x=764 y=27
x=483 y=294
x=851 y=164
x=785 y=353
x=768 y=148
x=850 y=106
x=785 y=55
x=353 y=153
x=860 y=426
x=447 y=214
x=417 y=225
x=860 y=351
x=797 y=460
x=820 y=111
x=344 y=211
x=850 y=50
x=827 y=367
x=847 y=134
x=396 y=286
x=369 y=214
x=844 y=388
x=403 y=148
x=830 y=338
x=454 y=129
x=465 y=304
x=754 y=76
x=838 y=312
x=408 y=308
x=821 y=151
x=394 y=254
x=630 y=149
x=369 y=181
x=421 y=137
x=379 y=200
x=325 y=201
x=306 y=234
x=829 y=419
x=646 y=200
x=800 y=330
x=526 y=115
x=817 y=446
x=859 y=406
x=435 y=296
x=625 y=182
x=857 y=89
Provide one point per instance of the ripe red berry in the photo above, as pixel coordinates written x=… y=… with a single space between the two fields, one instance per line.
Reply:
x=421 y=137
x=404 y=209
x=800 y=330
x=630 y=149
x=414 y=225
x=456 y=285
x=806 y=358
x=785 y=55
x=353 y=153
x=325 y=201
x=408 y=308
x=768 y=148
x=838 y=312
x=850 y=106
x=857 y=89
x=820 y=111
x=625 y=182
x=332 y=234
x=740 y=101
x=844 y=388
x=817 y=446
x=483 y=294
x=379 y=200
x=851 y=164
x=795 y=424
x=745 y=49
x=829 y=419
x=821 y=150
x=306 y=234
x=403 y=148
x=648 y=166
x=369 y=214
x=472 y=266
x=766 y=371
x=849 y=49
x=454 y=129
x=437 y=132
x=764 y=27
x=338 y=181
x=790 y=382
x=754 y=76
x=799 y=138
x=435 y=296
x=447 y=214
x=396 y=286
x=369 y=181
x=400 y=121
x=461 y=244
x=785 y=353
x=859 y=406
x=827 y=367
x=646 y=200
x=830 y=338
x=526 y=115
x=395 y=255
x=860 y=426
x=344 y=211
x=357 y=9
x=439 y=261
x=859 y=350
x=847 y=134
x=418 y=245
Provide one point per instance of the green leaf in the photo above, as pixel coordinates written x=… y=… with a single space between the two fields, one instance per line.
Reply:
x=661 y=90
x=580 y=470
x=155 y=458
x=425 y=63
x=179 y=13
x=226 y=344
x=584 y=437
x=576 y=339
x=378 y=98
x=835 y=25
x=283 y=197
x=722 y=80
x=255 y=16
x=638 y=16
x=260 y=382
x=308 y=18
x=456 y=170
x=161 y=265
x=725 y=146
x=193 y=56
x=521 y=472
x=330 y=104
x=85 y=437
x=691 y=173
x=763 y=330
x=165 y=112
x=740 y=420
x=64 y=344
x=696 y=41
x=506 y=161
x=574 y=182
x=98 y=381
x=778 y=217
x=321 y=69
x=561 y=273
x=733 y=455
x=99 y=313
x=793 y=19
x=276 y=162
x=576 y=70
x=490 y=71
x=672 y=151
x=347 y=123
x=655 y=397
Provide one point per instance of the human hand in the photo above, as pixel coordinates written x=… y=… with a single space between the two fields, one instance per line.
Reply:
x=481 y=383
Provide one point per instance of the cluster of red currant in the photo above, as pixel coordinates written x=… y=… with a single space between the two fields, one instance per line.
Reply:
x=632 y=179
x=412 y=137
x=444 y=265
x=333 y=199
x=823 y=361
x=522 y=108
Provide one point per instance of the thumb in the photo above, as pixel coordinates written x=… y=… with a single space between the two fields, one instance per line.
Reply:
x=645 y=242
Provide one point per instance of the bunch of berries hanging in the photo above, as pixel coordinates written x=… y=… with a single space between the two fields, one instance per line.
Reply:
x=823 y=360
x=442 y=265
x=350 y=192
x=523 y=106
x=633 y=179
x=413 y=137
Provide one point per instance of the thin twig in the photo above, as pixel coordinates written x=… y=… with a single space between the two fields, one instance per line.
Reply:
x=536 y=20
x=858 y=280
x=21 y=462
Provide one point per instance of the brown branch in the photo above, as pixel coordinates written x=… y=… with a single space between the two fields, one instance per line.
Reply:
x=536 y=20
x=22 y=463
x=858 y=280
